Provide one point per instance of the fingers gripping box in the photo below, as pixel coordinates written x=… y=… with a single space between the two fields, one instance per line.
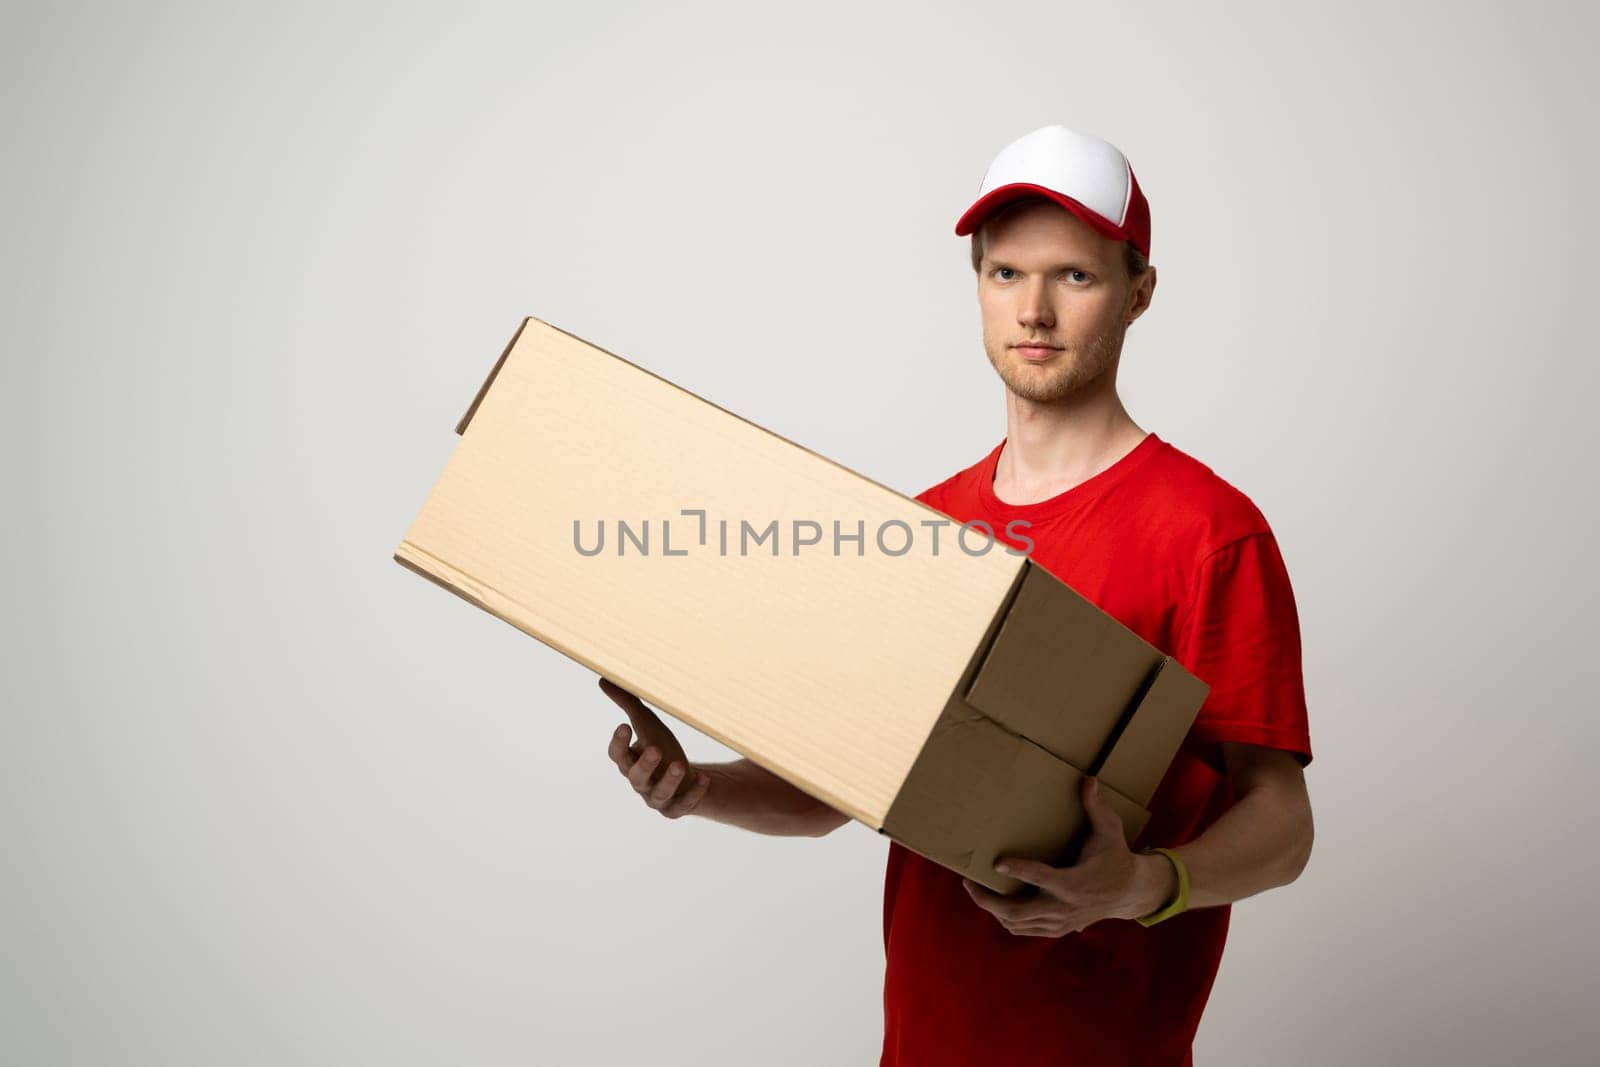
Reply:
x=922 y=678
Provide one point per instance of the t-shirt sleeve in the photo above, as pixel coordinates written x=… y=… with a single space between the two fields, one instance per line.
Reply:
x=1241 y=635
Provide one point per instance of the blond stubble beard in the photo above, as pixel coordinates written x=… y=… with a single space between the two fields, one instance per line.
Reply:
x=1064 y=376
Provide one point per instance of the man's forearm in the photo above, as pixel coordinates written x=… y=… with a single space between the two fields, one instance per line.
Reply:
x=748 y=796
x=1260 y=842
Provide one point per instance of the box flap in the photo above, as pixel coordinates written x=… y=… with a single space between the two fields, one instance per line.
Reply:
x=1139 y=757
x=1061 y=672
x=1038 y=814
x=978 y=792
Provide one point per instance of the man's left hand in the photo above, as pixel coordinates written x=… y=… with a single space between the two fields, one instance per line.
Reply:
x=1109 y=881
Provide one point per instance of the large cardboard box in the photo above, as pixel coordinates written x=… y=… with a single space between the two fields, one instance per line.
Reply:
x=922 y=677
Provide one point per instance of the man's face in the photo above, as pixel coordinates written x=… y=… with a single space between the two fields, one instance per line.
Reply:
x=1047 y=279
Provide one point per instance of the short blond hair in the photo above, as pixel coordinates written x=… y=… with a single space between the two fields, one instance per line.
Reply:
x=1133 y=259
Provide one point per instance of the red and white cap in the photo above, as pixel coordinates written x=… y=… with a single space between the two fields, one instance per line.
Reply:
x=1089 y=177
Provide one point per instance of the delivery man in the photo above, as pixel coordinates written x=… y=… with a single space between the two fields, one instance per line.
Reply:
x=1109 y=960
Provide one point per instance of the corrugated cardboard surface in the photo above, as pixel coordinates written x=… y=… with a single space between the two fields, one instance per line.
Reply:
x=952 y=701
x=1058 y=673
x=827 y=670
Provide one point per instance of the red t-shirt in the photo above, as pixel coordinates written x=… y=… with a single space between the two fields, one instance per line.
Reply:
x=1159 y=541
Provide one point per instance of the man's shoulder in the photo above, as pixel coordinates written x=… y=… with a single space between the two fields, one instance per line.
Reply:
x=1214 y=510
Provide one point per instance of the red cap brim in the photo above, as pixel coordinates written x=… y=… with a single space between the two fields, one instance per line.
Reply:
x=995 y=198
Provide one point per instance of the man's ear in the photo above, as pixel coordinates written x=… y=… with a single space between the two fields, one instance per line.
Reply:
x=1144 y=288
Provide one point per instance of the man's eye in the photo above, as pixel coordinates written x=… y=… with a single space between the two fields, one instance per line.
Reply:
x=998 y=271
x=1078 y=276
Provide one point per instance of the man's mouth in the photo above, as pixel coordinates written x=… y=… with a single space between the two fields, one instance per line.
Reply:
x=1037 y=351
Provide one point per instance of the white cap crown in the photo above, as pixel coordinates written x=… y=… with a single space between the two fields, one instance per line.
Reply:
x=1091 y=171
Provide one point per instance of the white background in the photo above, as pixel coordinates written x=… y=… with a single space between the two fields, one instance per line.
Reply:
x=268 y=798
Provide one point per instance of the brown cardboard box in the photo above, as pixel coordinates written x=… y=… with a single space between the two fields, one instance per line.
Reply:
x=926 y=679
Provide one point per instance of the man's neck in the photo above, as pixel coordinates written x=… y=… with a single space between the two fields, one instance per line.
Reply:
x=1049 y=450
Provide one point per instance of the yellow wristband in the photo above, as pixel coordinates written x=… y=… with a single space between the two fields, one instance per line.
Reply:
x=1180 y=902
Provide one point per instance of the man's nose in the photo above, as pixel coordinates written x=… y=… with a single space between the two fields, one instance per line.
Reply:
x=1036 y=309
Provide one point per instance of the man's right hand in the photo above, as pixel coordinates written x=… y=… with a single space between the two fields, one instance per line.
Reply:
x=678 y=787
